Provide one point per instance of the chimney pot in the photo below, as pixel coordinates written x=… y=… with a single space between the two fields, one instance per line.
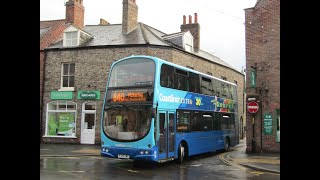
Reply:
x=195 y=18
x=184 y=19
x=190 y=19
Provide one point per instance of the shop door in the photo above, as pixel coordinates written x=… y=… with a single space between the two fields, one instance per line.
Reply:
x=88 y=124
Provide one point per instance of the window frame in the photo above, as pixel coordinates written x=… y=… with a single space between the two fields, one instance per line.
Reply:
x=76 y=38
x=62 y=88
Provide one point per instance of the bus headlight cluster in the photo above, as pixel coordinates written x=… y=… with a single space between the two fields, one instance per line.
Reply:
x=144 y=152
x=105 y=150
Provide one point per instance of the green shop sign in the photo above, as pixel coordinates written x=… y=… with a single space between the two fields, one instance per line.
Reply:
x=253 y=76
x=61 y=95
x=267 y=119
x=88 y=94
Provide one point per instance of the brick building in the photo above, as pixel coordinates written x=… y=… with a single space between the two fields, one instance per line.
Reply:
x=263 y=75
x=79 y=64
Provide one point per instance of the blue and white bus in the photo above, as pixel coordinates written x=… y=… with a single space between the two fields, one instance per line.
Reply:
x=155 y=110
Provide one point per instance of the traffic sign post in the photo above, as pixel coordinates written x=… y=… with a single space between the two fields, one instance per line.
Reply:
x=253 y=107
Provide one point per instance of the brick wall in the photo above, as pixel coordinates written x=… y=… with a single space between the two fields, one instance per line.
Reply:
x=263 y=51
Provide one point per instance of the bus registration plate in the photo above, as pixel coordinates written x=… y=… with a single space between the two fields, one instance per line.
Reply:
x=123 y=156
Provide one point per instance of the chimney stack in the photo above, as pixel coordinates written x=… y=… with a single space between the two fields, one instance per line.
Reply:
x=129 y=16
x=184 y=19
x=75 y=13
x=194 y=29
x=103 y=22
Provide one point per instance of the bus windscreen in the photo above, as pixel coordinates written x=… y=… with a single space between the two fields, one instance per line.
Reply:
x=133 y=72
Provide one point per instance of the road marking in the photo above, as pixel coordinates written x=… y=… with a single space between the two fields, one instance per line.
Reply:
x=132 y=171
x=63 y=157
x=242 y=167
x=75 y=175
x=197 y=165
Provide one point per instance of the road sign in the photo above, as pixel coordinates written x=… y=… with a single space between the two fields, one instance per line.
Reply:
x=253 y=107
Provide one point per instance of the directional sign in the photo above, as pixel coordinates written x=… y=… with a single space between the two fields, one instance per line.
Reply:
x=253 y=107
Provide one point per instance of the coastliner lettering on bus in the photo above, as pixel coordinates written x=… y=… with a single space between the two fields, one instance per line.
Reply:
x=174 y=99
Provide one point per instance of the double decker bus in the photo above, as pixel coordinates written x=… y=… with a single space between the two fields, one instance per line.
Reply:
x=155 y=110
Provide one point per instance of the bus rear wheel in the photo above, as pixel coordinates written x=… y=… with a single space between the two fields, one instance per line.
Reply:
x=226 y=144
x=181 y=153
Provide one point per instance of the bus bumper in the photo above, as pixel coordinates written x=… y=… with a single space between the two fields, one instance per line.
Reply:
x=132 y=153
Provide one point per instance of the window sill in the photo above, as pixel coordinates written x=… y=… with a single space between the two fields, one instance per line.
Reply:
x=66 y=89
x=60 y=137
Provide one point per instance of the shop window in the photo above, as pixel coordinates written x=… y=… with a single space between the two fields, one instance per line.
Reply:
x=61 y=119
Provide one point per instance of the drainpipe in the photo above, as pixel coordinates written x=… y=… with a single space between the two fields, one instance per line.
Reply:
x=41 y=98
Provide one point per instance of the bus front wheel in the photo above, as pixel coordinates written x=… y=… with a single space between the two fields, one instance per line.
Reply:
x=181 y=153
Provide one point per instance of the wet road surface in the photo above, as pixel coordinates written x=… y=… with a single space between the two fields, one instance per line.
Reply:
x=207 y=166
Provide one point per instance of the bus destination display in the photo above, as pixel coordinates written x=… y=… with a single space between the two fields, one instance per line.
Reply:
x=128 y=96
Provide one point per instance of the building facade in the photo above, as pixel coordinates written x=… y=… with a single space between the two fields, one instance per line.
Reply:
x=51 y=32
x=77 y=67
x=263 y=75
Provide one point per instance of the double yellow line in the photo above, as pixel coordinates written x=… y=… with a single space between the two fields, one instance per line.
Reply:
x=224 y=160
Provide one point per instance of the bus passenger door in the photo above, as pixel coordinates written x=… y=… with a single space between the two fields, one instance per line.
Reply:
x=171 y=133
x=167 y=135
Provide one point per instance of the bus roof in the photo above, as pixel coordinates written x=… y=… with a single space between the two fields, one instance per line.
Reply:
x=178 y=66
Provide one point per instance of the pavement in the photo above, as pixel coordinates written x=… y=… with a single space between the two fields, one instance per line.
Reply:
x=263 y=161
x=236 y=156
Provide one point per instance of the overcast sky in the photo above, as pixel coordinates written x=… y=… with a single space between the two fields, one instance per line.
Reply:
x=222 y=30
